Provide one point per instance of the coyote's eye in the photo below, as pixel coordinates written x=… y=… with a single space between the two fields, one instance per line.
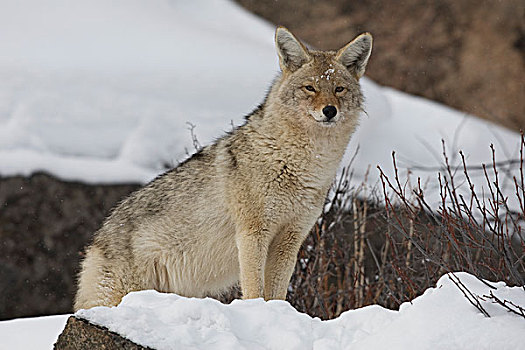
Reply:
x=309 y=88
x=339 y=89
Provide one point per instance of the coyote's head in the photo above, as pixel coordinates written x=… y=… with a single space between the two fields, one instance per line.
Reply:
x=321 y=86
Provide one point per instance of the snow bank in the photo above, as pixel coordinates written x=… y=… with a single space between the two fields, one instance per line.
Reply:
x=102 y=92
x=442 y=318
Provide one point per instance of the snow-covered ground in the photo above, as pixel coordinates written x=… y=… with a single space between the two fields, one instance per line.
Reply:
x=439 y=319
x=103 y=91
x=35 y=333
x=442 y=318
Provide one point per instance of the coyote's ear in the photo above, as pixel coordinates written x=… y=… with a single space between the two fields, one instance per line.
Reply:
x=354 y=55
x=292 y=53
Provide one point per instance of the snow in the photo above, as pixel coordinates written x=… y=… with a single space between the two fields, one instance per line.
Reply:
x=117 y=88
x=414 y=128
x=31 y=333
x=441 y=318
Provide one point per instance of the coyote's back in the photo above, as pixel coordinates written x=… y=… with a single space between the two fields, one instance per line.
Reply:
x=239 y=209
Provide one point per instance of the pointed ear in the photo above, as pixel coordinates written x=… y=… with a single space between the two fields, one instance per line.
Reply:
x=354 y=55
x=292 y=53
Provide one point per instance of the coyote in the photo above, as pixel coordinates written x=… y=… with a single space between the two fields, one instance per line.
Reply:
x=239 y=209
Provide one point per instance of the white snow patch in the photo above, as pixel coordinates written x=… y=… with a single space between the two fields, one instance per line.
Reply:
x=441 y=318
x=31 y=333
x=327 y=73
x=115 y=83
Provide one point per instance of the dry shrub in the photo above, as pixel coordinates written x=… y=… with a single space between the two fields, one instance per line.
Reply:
x=386 y=247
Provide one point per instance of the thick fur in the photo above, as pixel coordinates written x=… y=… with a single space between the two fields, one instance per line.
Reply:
x=239 y=209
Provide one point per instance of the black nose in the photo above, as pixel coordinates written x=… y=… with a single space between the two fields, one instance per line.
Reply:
x=330 y=111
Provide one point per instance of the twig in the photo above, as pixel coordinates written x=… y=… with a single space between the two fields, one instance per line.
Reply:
x=472 y=298
x=516 y=309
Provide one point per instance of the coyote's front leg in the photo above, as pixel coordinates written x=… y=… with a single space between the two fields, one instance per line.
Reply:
x=253 y=249
x=282 y=255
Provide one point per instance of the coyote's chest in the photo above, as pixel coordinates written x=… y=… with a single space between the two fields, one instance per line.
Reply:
x=295 y=187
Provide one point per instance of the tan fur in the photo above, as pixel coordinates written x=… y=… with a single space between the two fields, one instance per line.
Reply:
x=239 y=209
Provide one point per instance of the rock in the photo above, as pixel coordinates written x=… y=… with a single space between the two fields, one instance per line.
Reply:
x=45 y=224
x=79 y=334
x=467 y=54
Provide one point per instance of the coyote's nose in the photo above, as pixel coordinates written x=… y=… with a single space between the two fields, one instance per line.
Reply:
x=330 y=111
